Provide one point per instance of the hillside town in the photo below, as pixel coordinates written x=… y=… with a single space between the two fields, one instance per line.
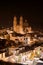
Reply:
x=20 y=43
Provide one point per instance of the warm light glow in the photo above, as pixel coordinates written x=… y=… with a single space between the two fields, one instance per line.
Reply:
x=19 y=28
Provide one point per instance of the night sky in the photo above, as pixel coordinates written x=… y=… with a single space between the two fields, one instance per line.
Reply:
x=32 y=11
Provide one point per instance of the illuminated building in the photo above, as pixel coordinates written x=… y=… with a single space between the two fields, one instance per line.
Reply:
x=27 y=28
x=2 y=55
x=18 y=27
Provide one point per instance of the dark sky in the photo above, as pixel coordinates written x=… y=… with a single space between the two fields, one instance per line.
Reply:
x=32 y=11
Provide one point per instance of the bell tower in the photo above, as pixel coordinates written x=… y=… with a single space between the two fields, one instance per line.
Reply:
x=14 y=23
x=21 y=24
